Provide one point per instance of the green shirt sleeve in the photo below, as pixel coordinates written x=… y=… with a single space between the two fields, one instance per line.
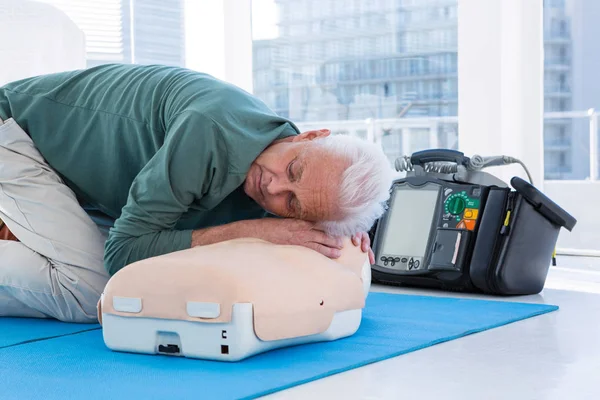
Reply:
x=180 y=173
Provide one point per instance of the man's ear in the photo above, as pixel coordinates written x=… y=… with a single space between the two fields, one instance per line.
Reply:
x=311 y=135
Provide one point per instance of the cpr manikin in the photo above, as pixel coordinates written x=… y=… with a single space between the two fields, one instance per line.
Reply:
x=235 y=299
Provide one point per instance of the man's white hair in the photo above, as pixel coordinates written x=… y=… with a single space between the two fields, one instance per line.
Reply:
x=365 y=185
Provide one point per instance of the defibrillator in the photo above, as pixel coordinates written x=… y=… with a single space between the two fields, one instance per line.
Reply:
x=452 y=226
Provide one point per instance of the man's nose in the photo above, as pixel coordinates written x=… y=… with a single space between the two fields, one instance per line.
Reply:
x=276 y=186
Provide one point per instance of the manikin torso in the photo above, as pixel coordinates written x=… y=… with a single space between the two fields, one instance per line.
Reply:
x=295 y=291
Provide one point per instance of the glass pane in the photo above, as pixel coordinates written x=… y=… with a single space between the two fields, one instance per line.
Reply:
x=571 y=86
x=387 y=68
x=129 y=31
x=571 y=104
x=566 y=146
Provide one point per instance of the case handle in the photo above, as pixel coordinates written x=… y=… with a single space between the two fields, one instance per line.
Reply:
x=433 y=155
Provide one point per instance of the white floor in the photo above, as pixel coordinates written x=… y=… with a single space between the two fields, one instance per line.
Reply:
x=553 y=356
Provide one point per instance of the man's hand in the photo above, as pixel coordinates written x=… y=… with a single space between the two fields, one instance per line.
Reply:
x=362 y=239
x=296 y=232
x=287 y=231
x=279 y=231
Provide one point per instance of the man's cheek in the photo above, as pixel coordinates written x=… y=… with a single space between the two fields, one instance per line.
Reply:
x=266 y=204
x=274 y=207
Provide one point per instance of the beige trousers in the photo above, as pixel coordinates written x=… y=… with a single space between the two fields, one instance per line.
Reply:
x=56 y=270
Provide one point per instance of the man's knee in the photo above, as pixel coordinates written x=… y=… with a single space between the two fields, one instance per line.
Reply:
x=86 y=287
x=39 y=285
x=79 y=295
x=64 y=298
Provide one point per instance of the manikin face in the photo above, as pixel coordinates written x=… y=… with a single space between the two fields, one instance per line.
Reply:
x=294 y=179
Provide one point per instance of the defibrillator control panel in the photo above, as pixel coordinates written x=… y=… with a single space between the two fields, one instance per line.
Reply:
x=428 y=226
x=461 y=206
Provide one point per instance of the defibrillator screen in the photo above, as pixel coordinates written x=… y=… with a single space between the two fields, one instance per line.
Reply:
x=408 y=226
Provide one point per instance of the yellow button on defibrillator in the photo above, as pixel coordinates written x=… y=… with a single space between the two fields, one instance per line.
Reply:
x=471 y=213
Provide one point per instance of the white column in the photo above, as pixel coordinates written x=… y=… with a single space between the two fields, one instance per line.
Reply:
x=38 y=39
x=500 y=79
x=238 y=43
x=219 y=39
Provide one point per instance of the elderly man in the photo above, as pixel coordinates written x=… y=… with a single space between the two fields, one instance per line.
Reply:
x=107 y=166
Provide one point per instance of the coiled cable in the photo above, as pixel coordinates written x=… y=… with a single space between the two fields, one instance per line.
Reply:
x=475 y=163
x=404 y=164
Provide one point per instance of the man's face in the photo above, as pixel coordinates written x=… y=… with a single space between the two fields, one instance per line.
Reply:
x=294 y=180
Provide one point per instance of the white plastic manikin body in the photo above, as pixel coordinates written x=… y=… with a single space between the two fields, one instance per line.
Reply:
x=198 y=303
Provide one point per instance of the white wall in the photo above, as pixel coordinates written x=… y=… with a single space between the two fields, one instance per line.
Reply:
x=500 y=85
x=219 y=39
x=37 y=39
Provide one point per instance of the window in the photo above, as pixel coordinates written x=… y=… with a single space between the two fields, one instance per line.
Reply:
x=298 y=29
x=571 y=84
x=369 y=66
x=562 y=160
x=325 y=5
x=126 y=31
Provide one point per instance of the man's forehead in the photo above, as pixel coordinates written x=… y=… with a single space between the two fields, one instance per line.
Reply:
x=319 y=191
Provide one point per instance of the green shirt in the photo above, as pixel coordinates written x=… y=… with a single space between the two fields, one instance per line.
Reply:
x=162 y=150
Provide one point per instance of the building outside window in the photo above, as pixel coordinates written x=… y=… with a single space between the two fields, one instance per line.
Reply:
x=404 y=52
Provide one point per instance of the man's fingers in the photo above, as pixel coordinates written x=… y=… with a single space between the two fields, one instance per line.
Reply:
x=366 y=242
x=329 y=241
x=362 y=239
x=326 y=251
x=371 y=257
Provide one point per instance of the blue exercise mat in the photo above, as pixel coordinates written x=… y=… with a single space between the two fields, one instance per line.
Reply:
x=81 y=367
x=15 y=331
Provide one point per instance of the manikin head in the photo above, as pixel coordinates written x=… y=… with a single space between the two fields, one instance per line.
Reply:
x=337 y=181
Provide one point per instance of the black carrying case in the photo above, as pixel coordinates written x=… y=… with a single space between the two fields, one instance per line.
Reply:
x=512 y=249
x=516 y=239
